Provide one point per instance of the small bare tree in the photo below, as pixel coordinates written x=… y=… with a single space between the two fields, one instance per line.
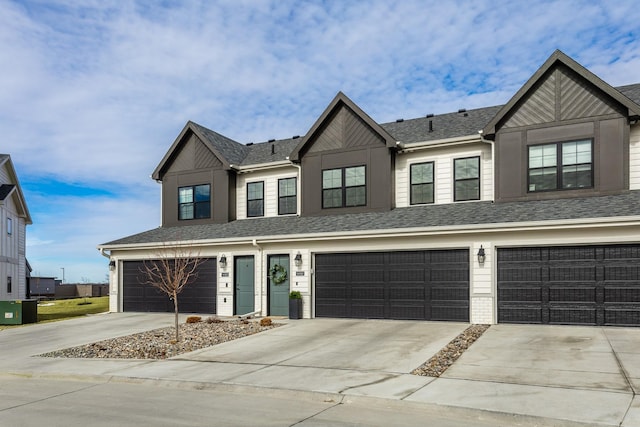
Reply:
x=174 y=268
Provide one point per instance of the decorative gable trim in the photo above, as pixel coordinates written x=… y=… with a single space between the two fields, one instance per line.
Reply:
x=540 y=89
x=183 y=139
x=340 y=106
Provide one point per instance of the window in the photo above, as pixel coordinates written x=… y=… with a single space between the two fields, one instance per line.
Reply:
x=421 y=176
x=255 y=199
x=344 y=187
x=194 y=202
x=560 y=166
x=287 y=199
x=9 y=226
x=466 y=173
x=9 y=286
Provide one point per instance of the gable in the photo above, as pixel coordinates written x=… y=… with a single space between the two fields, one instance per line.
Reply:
x=342 y=125
x=561 y=90
x=560 y=95
x=344 y=129
x=193 y=155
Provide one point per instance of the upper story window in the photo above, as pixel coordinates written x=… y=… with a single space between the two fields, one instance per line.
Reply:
x=194 y=202
x=9 y=285
x=9 y=227
x=421 y=175
x=344 y=187
x=287 y=196
x=255 y=199
x=466 y=172
x=560 y=166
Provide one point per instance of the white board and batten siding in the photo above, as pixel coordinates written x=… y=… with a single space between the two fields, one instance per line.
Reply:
x=442 y=159
x=634 y=157
x=270 y=179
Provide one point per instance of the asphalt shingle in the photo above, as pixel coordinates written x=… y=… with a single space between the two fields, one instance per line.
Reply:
x=426 y=216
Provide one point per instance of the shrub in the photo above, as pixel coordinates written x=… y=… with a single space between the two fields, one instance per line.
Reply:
x=266 y=321
x=295 y=295
x=193 y=319
x=213 y=319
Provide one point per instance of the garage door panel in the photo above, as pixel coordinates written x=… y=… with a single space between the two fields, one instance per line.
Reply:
x=622 y=295
x=407 y=276
x=520 y=294
x=367 y=276
x=623 y=317
x=588 y=285
x=520 y=274
x=369 y=292
x=572 y=294
x=400 y=292
x=404 y=285
x=520 y=314
x=450 y=312
x=449 y=275
x=572 y=274
x=570 y=315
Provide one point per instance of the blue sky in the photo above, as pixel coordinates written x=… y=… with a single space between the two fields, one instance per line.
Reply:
x=93 y=92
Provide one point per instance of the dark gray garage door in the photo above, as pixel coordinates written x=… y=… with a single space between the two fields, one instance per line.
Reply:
x=583 y=285
x=197 y=297
x=424 y=285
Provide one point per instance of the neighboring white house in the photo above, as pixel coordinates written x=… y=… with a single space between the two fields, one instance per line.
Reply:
x=14 y=218
x=528 y=212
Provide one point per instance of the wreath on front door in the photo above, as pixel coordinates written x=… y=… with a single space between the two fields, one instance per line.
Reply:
x=278 y=274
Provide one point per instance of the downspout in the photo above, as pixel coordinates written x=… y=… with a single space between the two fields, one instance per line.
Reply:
x=260 y=275
x=299 y=186
x=493 y=163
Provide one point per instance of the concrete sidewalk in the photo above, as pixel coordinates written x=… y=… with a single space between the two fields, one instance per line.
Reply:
x=550 y=373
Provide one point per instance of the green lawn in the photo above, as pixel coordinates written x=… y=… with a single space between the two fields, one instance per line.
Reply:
x=65 y=309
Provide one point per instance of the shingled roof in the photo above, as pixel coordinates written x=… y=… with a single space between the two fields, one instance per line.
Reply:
x=443 y=126
x=400 y=219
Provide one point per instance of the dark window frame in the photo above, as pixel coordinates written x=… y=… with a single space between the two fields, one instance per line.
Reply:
x=288 y=198
x=421 y=184
x=456 y=180
x=9 y=285
x=201 y=209
x=560 y=166
x=343 y=188
x=250 y=212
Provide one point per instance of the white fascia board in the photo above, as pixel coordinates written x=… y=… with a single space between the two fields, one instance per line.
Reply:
x=407 y=148
x=399 y=232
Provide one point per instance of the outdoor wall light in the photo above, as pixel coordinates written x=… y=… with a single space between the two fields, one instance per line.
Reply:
x=112 y=265
x=481 y=255
x=298 y=259
x=222 y=261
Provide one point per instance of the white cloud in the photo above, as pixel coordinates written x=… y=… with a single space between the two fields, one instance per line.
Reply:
x=96 y=91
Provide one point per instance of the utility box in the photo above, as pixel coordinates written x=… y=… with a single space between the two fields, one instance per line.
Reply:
x=18 y=312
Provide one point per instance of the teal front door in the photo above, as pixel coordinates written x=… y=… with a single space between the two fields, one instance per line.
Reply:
x=244 y=290
x=279 y=292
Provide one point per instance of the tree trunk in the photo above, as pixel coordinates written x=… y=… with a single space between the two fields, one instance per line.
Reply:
x=175 y=306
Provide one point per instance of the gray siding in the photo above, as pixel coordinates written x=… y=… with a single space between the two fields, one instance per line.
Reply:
x=194 y=164
x=562 y=107
x=346 y=140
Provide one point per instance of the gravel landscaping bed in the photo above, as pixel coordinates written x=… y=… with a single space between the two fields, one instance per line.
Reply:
x=160 y=344
x=439 y=363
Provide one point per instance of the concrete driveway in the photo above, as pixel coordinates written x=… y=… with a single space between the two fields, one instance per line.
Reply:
x=573 y=374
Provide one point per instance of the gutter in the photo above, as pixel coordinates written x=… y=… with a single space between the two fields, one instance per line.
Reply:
x=407 y=148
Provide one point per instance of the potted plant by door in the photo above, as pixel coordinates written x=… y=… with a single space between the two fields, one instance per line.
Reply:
x=295 y=305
